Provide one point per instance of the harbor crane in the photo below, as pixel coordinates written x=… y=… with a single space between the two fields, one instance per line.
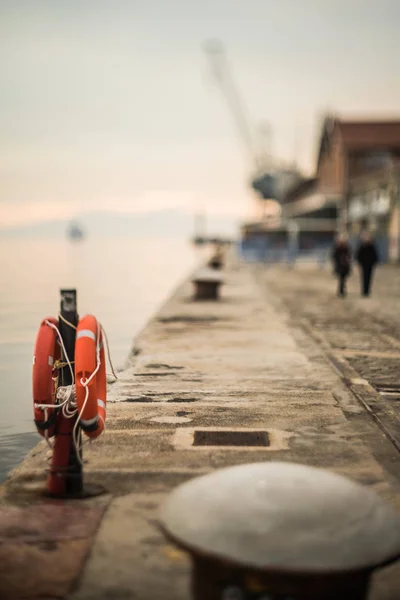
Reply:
x=263 y=181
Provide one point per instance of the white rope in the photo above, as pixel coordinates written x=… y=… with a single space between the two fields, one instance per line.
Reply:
x=50 y=324
x=66 y=395
x=108 y=352
x=67 y=405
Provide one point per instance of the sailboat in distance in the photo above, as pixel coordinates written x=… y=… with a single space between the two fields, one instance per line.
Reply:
x=75 y=232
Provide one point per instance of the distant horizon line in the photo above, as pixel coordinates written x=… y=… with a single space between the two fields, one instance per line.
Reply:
x=150 y=222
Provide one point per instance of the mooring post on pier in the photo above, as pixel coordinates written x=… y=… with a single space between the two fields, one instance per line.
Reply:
x=65 y=478
x=280 y=531
x=207 y=283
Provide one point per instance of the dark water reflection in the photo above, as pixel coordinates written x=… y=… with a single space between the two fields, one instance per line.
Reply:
x=13 y=449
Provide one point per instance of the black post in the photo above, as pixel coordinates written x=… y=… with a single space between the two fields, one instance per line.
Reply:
x=65 y=478
x=68 y=311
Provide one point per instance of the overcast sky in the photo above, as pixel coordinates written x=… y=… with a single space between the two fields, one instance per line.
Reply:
x=109 y=104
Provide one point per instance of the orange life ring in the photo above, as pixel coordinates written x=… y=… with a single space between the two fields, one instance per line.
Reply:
x=91 y=403
x=46 y=352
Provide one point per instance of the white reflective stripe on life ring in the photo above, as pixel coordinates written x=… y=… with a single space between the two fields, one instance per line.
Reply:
x=86 y=333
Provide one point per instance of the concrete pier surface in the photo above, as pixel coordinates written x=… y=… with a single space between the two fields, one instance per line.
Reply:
x=277 y=369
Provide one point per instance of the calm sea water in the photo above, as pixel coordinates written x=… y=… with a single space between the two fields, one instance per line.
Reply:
x=121 y=281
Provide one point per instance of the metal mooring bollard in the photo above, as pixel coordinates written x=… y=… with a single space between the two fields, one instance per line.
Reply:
x=280 y=531
x=207 y=284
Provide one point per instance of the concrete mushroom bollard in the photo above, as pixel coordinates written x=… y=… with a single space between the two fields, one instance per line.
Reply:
x=280 y=531
x=207 y=283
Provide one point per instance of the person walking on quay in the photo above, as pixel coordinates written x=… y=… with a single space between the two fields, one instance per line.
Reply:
x=367 y=258
x=341 y=257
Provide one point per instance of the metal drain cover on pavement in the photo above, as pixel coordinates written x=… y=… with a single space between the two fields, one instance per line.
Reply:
x=230 y=438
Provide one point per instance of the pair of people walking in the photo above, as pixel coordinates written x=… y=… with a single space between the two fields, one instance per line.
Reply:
x=366 y=256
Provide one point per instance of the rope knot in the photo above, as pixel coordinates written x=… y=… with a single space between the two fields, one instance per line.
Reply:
x=66 y=393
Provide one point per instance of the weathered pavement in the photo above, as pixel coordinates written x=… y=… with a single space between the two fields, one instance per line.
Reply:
x=248 y=362
x=360 y=336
